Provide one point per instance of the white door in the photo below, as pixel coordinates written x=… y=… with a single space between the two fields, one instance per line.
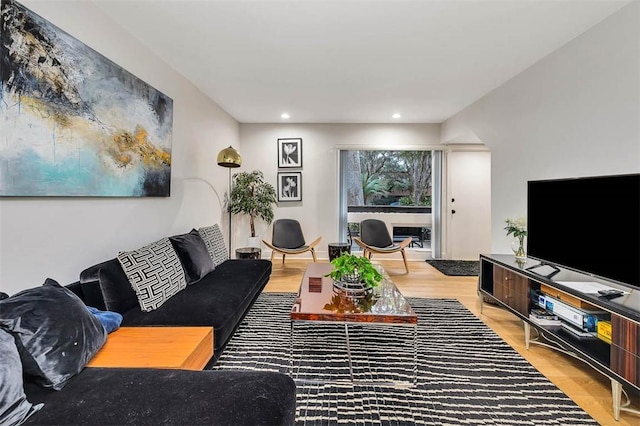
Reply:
x=469 y=204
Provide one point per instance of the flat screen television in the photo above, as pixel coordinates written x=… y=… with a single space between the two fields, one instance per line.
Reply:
x=587 y=224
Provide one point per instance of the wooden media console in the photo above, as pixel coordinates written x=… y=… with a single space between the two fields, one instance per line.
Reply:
x=517 y=285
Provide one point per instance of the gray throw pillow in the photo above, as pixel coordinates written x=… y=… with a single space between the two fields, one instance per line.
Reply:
x=155 y=273
x=213 y=239
x=55 y=333
x=14 y=407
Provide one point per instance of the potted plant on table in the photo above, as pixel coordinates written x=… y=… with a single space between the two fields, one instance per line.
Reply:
x=355 y=270
x=253 y=196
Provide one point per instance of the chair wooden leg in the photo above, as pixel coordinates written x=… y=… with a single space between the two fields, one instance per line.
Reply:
x=272 y=253
x=313 y=253
x=283 y=255
x=404 y=257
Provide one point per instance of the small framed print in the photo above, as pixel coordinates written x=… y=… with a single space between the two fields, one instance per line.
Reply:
x=290 y=186
x=289 y=153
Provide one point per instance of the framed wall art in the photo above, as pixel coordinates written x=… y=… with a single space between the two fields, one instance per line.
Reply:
x=290 y=186
x=289 y=153
x=73 y=122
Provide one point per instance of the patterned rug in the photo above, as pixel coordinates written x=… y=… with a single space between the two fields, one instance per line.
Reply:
x=466 y=373
x=459 y=268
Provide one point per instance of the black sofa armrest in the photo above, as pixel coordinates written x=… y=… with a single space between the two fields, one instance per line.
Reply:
x=152 y=396
x=106 y=287
x=76 y=288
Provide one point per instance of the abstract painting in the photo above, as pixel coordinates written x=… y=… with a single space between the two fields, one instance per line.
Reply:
x=289 y=153
x=74 y=123
x=290 y=186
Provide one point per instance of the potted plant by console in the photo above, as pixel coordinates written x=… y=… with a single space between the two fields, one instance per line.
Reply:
x=253 y=196
x=354 y=273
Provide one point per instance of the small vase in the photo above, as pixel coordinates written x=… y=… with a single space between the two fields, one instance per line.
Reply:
x=518 y=248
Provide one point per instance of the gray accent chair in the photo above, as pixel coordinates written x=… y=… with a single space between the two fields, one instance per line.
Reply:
x=287 y=238
x=375 y=238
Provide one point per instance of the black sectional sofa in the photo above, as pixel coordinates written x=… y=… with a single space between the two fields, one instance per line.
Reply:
x=219 y=298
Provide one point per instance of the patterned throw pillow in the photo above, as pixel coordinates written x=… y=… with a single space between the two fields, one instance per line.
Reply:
x=155 y=273
x=213 y=239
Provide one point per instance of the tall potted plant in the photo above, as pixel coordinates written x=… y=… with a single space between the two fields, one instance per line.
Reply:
x=253 y=196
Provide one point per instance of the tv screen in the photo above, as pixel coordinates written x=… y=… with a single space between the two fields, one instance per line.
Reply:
x=588 y=224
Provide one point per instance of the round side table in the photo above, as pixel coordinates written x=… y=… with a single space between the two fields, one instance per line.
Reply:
x=248 y=253
x=336 y=249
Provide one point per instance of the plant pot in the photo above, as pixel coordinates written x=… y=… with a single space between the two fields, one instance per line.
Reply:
x=253 y=242
x=351 y=286
x=351 y=290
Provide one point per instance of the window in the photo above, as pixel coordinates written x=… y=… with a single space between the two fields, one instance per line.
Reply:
x=394 y=186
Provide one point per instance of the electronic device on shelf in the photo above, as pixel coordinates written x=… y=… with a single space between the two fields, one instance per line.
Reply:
x=544 y=270
x=585 y=320
x=581 y=334
x=587 y=224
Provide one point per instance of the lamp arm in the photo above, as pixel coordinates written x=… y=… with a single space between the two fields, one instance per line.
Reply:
x=210 y=186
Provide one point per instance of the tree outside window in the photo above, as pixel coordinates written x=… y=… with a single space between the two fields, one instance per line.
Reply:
x=389 y=178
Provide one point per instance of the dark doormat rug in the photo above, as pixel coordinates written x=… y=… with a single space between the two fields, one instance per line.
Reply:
x=457 y=268
x=466 y=374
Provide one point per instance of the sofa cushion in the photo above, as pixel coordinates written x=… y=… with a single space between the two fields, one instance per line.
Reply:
x=193 y=254
x=55 y=333
x=106 y=287
x=213 y=239
x=155 y=273
x=120 y=396
x=219 y=300
x=14 y=407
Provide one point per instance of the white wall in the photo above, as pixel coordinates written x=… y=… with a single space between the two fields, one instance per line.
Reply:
x=318 y=211
x=574 y=113
x=58 y=237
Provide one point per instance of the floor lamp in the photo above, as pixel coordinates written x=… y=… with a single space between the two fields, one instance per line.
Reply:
x=231 y=159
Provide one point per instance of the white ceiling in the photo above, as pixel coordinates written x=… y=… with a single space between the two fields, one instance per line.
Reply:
x=353 y=61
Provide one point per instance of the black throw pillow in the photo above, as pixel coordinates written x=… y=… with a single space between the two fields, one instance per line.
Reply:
x=55 y=333
x=193 y=255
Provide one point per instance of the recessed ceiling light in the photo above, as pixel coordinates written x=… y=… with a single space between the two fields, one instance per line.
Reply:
x=284 y=115
x=396 y=115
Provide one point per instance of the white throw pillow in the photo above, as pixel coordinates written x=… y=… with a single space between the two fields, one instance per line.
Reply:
x=155 y=273
x=213 y=239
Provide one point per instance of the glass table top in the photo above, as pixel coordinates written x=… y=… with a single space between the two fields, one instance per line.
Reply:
x=319 y=300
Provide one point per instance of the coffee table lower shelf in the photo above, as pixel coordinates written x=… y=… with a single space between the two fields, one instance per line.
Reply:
x=187 y=348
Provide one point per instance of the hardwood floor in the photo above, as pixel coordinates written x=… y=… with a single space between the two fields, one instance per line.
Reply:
x=588 y=388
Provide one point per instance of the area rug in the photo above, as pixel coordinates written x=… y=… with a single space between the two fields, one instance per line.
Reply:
x=466 y=373
x=458 y=268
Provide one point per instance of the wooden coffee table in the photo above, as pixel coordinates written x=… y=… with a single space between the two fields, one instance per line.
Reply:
x=187 y=348
x=318 y=301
